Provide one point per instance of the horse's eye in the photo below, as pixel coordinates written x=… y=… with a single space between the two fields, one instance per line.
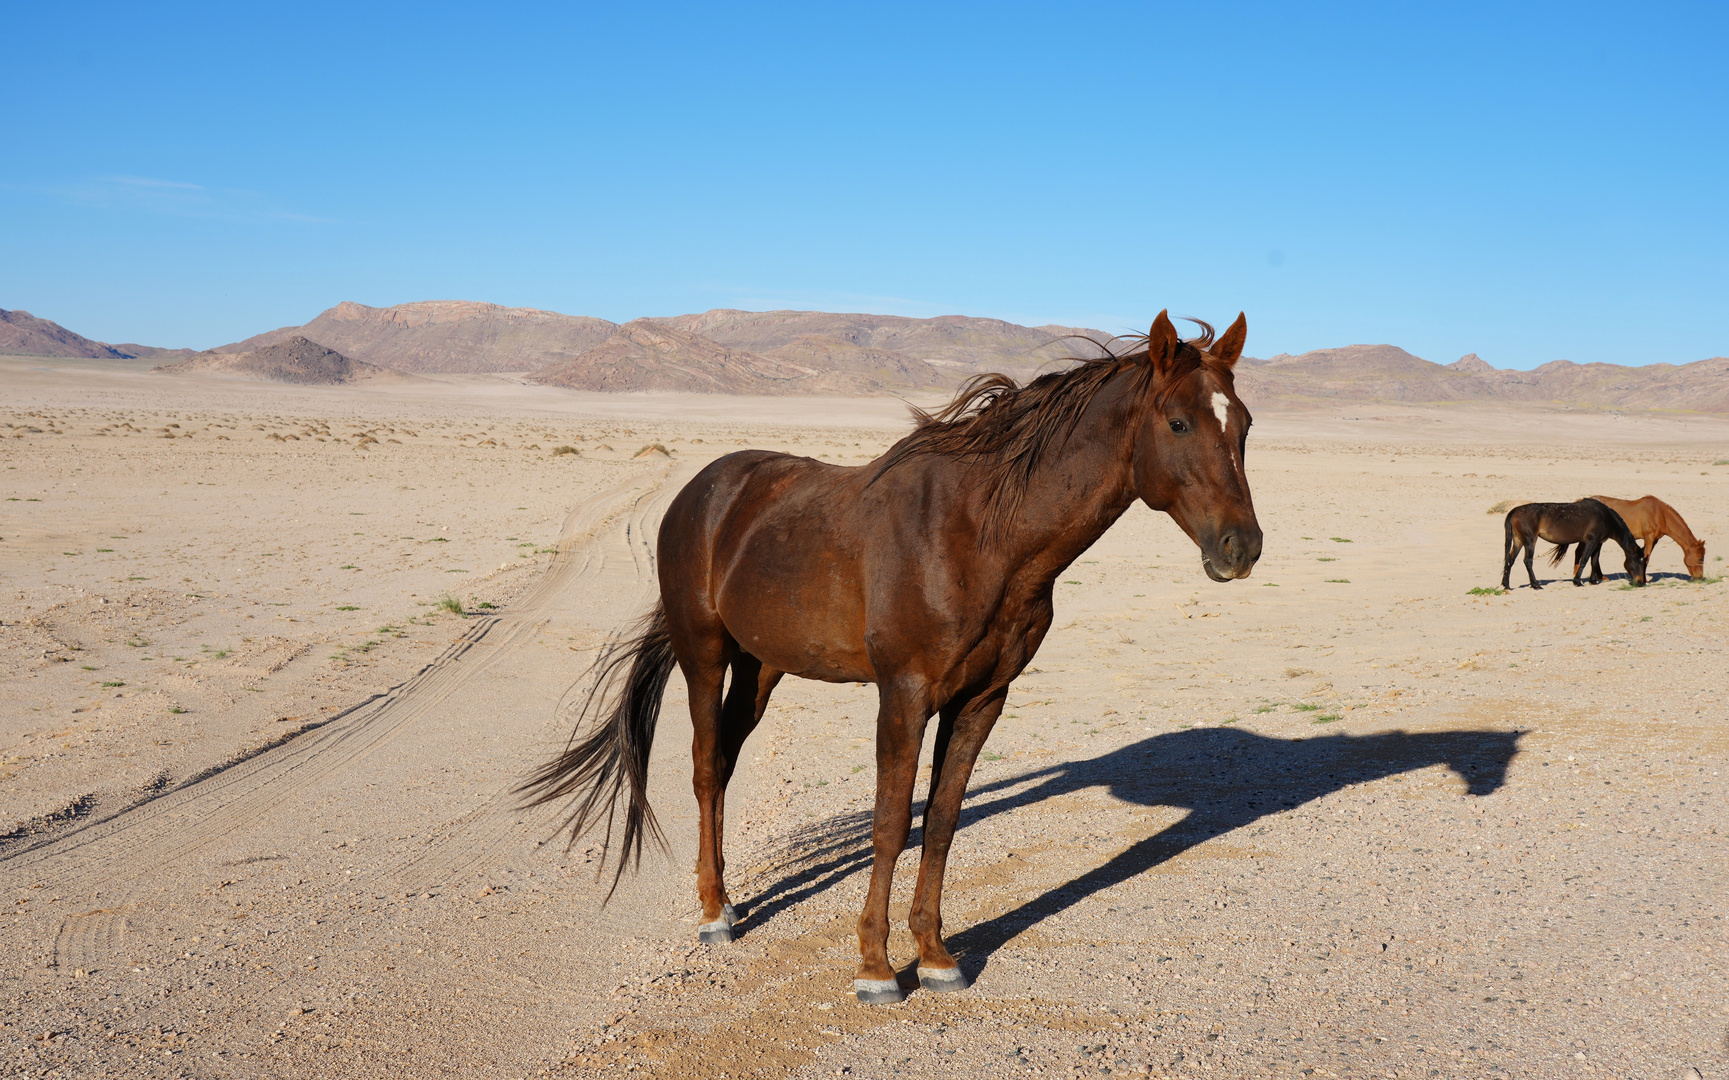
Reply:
x=1180 y=427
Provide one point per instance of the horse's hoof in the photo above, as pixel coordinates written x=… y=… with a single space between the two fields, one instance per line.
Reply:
x=942 y=980
x=878 y=991
x=718 y=932
x=728 y=913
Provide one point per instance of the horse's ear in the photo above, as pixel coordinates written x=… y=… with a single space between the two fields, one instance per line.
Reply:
x=1230 y=345
x=1162 y=344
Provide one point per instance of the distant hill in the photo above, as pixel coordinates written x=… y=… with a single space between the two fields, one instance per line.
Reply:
x=892 y=349
x=23 y=334
x=296 y=361
x=648 y=354
x=445 y=336
x=1387 y=373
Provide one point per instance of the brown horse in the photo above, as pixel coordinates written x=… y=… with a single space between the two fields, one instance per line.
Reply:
x=1587 y=523
x=928 y=572
x=1651 y=519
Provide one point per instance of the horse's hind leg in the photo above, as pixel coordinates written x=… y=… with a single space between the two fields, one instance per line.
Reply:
x=969 y=725
x=742 y=710
x=1530 y=572
x=1596 y=566
x=705 y=674
x=1511 y=552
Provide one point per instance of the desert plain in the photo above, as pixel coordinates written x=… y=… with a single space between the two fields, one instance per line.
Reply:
x=274 y=658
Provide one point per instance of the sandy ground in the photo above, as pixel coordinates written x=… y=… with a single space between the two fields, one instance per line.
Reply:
x=1340 y=819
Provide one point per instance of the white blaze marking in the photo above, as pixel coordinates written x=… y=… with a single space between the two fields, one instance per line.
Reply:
x=1221 y=409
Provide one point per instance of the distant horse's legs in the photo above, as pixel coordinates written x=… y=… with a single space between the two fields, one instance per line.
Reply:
x=1531 y=550
x=1584 y=553
x=746 y=699
x=901 y=717
x=971 y=725
x=1512 y=553
x=1596 y=567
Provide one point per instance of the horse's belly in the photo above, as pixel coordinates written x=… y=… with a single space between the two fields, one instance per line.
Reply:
x=800 y=631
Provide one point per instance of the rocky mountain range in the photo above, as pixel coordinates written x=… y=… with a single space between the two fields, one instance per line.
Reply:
x=728 y=351
x=1388 y=373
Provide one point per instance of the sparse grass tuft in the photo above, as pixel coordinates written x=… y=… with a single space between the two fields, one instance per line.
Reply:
x=347 y=607
x=990 y=755
x=1501 y=507
x=1339 y=539
x=175 y=709
x=1492 y=590
x=560 y=450
x=111 y=685
x=450 y=604
x=1326 y=718
x=1265 y=708
x=1326 y=558
x=487 y=605
x=1303 y=706
x=1721 y=461
x=1338 y=581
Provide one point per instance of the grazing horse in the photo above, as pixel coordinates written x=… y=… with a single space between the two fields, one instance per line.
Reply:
x=928 y=572
x=1651 y=519
x=1587 y=523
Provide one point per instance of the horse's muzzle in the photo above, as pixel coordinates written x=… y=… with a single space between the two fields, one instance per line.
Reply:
x=1232 y=555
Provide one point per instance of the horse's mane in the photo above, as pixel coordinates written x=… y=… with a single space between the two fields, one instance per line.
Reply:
x=1007 y=430
x=1623 y=535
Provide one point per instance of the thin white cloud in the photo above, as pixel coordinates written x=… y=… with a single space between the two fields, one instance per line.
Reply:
x=178 y=198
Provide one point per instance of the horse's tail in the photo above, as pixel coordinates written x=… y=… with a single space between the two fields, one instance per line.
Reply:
x=1556 y=555
x=595 y=770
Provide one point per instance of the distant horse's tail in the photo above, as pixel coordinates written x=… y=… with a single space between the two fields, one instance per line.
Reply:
x=594 y=770
x=1555 y=556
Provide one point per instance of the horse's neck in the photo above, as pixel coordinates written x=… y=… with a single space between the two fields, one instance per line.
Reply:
x=1672 y=524
x=1080 y=490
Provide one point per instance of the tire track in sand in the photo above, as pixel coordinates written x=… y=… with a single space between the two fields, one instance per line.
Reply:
x=113 y=857
x=469 y=843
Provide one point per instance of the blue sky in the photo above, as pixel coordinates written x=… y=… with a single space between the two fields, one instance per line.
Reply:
x=1525 y=182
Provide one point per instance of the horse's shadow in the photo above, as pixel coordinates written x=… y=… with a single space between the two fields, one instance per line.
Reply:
x=1224 y=777
x=1622 y=578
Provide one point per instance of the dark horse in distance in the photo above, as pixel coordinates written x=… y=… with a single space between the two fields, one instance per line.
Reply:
x=1587 y=523
x=927 y=572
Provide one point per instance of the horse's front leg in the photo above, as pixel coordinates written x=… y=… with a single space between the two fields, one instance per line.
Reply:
x=901 y=716
x=937 y=969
